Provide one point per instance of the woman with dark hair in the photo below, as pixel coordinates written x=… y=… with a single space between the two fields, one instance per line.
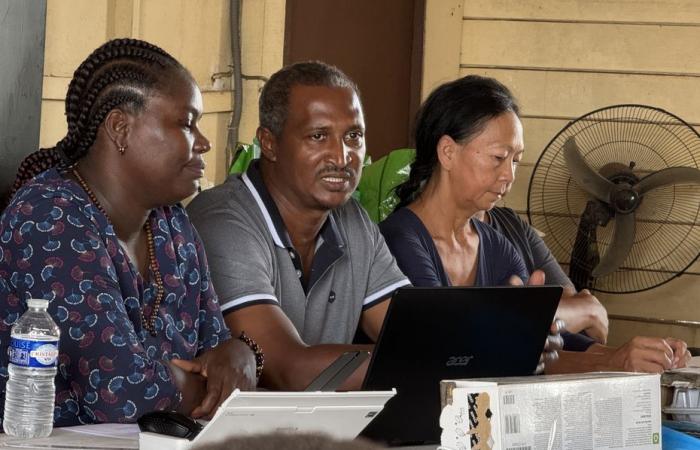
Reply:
x=96 y=228
x=469 y=141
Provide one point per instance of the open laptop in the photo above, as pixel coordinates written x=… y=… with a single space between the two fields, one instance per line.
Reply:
x=433 y=334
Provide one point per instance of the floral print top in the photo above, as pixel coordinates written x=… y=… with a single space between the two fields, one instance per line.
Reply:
x=56 y=244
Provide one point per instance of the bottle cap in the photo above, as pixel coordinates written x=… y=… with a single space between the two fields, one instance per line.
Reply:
x=38 y=303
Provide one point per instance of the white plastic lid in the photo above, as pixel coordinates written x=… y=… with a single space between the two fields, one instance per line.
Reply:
x=38 y=303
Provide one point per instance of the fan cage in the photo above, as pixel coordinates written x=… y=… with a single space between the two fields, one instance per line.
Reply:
x=668 y=219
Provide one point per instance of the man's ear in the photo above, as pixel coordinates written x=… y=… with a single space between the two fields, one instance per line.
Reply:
x=117 y=125
x=268 y=143
x=446 y=150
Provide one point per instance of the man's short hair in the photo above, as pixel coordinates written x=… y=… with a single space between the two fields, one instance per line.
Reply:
x=274 y=99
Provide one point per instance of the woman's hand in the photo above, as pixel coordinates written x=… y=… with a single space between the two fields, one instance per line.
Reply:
x=583 y=312
x=554 y=341
x=649 y=354
x=552 y=345
x=681 y=355
x=228 y=366
x=192 y=386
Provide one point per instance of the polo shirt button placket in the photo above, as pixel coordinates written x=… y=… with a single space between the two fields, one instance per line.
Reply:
x=293 y=257
x=331 y=297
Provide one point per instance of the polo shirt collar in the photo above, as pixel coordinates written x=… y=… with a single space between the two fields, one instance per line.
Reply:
x=330 y=244
x=254 y=182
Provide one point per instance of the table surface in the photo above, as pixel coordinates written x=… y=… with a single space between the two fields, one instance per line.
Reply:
x=99 y=437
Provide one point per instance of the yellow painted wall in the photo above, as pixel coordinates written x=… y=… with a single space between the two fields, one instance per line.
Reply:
x=196 y=32
x=564 y=58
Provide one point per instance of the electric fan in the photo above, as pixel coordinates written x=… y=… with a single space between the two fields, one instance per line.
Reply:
x=617 y=194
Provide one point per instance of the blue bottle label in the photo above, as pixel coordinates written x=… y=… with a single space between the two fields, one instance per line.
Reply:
x=28 y=353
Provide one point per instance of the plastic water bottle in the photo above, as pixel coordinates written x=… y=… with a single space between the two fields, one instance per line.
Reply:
x=30 y=391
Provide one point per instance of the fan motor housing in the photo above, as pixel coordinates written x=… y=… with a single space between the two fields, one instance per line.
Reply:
x=623 y=199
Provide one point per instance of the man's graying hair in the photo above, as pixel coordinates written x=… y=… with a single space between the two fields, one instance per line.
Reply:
x=274 y=99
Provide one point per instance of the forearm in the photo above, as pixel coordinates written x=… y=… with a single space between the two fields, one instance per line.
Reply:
x=578 y=315
x=290 y=363
x=582 y=311
x=595 y=359
x=298 y=367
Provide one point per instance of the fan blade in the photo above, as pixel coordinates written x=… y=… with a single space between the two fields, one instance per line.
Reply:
x=667 y=177
x=620 y=246
x=585 y=176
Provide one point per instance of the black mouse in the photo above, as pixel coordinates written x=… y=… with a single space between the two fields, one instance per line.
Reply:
x=170 y=423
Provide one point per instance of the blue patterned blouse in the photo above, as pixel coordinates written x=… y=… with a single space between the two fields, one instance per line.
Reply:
x=56 y=244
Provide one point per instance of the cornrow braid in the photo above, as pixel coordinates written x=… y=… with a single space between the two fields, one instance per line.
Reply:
x=114 y=76
x=122 y=73
x=32 y=166
x=117 y=48
x=111 y=84
x=87 y=137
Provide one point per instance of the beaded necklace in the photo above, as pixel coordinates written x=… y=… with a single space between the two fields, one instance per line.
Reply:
x=149 y=324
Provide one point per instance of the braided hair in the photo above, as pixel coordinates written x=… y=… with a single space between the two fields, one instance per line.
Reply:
x=459 y=109
x=121 y=73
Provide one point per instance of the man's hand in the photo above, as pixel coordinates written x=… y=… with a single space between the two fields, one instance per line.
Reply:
x=583 y=312
x=228 y=366
x=650 y=354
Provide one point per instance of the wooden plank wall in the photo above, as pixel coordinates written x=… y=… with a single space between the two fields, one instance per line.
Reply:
x=564 y=58
x=196 y=33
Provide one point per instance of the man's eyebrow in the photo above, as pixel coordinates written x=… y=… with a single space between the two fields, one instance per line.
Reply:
x=317 y=127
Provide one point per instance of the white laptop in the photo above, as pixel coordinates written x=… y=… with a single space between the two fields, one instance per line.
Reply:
x=341 y=415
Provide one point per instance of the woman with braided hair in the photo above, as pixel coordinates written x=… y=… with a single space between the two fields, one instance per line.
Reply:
x=95 y=227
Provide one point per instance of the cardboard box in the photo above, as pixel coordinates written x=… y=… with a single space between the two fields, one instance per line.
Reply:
x=581 y=411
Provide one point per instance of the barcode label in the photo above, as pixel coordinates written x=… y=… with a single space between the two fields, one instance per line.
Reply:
x=524 y=447
x=512 y=423
x=509 y=399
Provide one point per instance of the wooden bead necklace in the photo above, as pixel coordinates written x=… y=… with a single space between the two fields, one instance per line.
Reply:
x=148 y=324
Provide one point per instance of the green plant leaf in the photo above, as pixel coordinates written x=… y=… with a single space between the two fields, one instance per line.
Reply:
x=366 y=162
x=376 y=187
x=244 y=155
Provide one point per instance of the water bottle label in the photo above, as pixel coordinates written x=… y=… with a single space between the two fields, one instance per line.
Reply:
x=28 y=353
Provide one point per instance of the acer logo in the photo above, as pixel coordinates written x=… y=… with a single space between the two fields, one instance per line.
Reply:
x=458 y=360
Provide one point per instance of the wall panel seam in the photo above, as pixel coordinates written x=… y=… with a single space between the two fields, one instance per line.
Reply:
x=580 y=70
x=580 y=21
x=570 y=118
